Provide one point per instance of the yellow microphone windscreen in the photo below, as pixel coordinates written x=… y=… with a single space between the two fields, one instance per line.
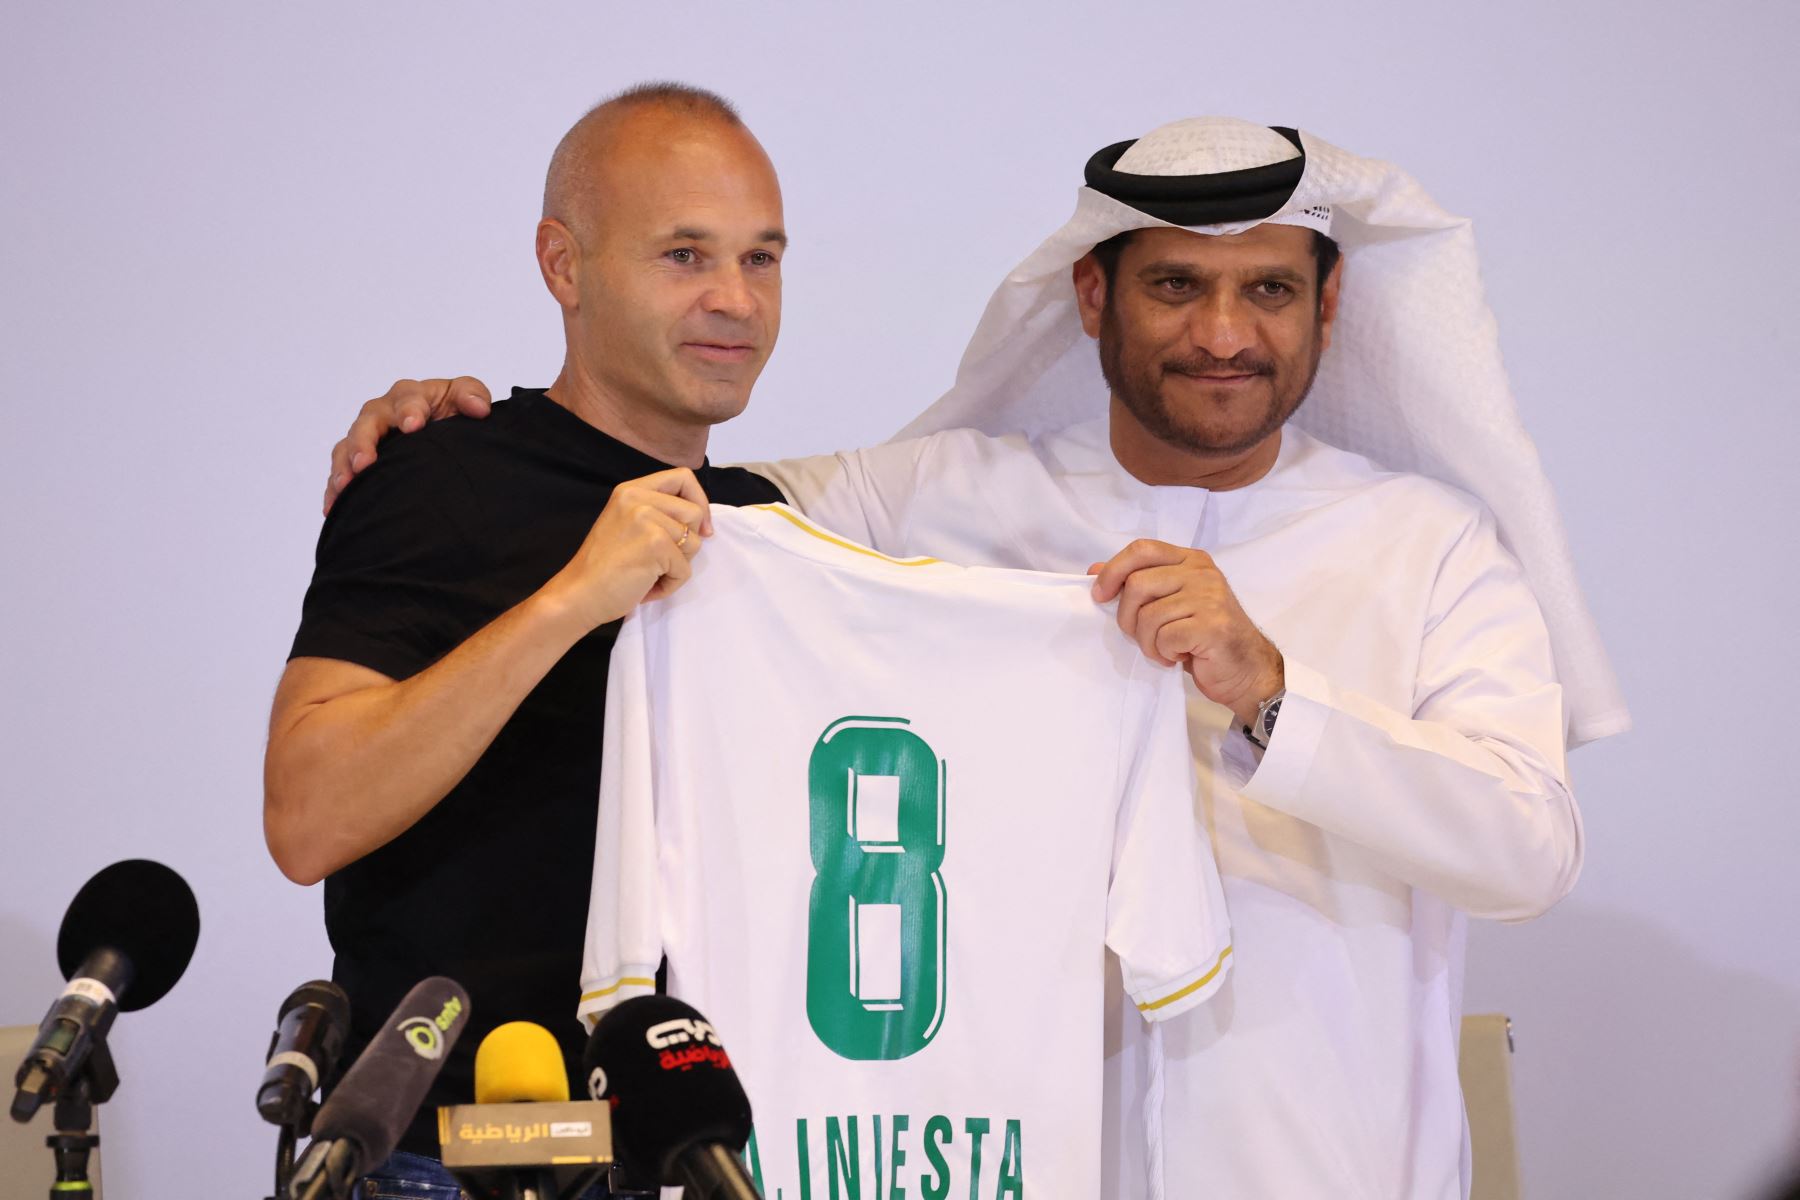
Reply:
x=520 y=1061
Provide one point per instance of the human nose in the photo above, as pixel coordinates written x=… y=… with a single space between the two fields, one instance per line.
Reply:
x=1221 y=326
x=729 y=294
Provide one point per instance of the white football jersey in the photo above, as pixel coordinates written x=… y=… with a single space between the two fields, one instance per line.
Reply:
x=885 y=817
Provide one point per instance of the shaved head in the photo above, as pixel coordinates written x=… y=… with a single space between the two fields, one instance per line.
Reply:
x=662 y=241
x=576 y=178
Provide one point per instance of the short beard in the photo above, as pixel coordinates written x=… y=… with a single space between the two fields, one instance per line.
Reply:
x=1141 y=393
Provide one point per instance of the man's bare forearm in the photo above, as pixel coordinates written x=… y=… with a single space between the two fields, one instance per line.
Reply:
x=355 y=758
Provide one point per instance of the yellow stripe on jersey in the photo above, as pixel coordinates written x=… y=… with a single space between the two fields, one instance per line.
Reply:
x=1152 y=1005
x=798 y=522
x=628 y=981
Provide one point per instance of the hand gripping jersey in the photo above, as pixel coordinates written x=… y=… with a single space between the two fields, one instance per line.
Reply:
x=885 y=817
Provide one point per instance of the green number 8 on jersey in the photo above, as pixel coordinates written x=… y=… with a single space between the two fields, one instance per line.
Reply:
x=875 y=937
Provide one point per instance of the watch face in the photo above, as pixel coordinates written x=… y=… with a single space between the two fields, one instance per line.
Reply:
x=1269 y=714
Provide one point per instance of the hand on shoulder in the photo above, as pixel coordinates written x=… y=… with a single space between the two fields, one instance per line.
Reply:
x=407 y=406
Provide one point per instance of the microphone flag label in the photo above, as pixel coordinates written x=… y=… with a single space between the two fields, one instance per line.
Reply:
x=426 y=1034
x=91 y=990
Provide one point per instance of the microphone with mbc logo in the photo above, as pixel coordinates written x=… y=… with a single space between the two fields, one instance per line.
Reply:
x=362 y=1122
x=680 y=1117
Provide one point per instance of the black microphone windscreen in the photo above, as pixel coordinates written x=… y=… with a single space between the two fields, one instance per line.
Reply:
x=322 y=992
x=377 y=1097
x=671 y=1084
x=303 y=1052
x=143 y=910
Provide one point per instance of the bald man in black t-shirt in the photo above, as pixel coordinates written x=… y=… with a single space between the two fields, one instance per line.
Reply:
x=435 y=742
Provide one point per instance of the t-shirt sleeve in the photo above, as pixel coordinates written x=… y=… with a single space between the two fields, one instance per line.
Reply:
x=397 y=583
x=1165 y=908
x=624 y=932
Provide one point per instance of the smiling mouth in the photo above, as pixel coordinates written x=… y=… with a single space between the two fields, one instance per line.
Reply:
x=1234 y=378
x=728 y=352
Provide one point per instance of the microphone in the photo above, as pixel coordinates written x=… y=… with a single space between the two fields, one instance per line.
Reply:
x=362 y=1122
x=522 y=1139
x=520 y=1062
x=126 y=939
x=304 y=1052
x=680 y=1117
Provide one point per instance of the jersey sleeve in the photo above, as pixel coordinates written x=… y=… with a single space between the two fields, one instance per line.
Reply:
x=862 y=495
x=1166 y=915
x=624 y=932
x=396 y=580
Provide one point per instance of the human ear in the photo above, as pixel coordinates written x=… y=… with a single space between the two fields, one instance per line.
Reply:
x=559 y=259
x=1090 y=292
x=1328 y=303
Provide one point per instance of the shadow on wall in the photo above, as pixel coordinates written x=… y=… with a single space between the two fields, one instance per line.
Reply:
x=29 y=978
x=1642 y=1068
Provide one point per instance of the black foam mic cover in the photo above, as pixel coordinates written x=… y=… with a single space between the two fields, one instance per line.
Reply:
x=670 y=1083
x=143 y=911
x=125 y=941
x=375 y=1101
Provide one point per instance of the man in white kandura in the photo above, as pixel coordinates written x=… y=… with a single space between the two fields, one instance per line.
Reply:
x=1387 y=670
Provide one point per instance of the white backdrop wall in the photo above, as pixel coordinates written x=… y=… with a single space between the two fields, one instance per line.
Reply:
x=222 y=226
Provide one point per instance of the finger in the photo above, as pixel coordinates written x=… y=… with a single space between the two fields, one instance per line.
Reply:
x=415 y=409
x=470 y=397
x=333 y=490
x=1177 y=640
x=404 y=398
x=690 y=539
x=684 y=539
x=339 y=473
x=685 y=484
x=1140 y=554
x=668 y=583
x=1140 y=588
x=682 y=510
x=677 y=570
x=1157 y=619
x=365 y=433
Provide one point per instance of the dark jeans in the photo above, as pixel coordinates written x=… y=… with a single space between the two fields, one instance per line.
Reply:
x=415 y=1177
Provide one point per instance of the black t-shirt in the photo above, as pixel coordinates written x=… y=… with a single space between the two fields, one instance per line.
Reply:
x=451 y=527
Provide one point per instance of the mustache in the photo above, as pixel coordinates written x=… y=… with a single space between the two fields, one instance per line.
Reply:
x=1244 y=362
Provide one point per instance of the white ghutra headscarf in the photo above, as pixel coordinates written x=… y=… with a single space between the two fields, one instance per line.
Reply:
x=1413 y=379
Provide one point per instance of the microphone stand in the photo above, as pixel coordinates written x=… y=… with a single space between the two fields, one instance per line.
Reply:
x=284 y=1148
x=74 y=1140
x=531 y=1185
x=284 y=1161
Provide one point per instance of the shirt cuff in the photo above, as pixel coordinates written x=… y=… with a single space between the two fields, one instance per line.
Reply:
x=603 y=994
x=1305 y=710
x=1176 y=996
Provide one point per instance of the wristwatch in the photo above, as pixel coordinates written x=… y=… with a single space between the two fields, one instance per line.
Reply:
x=1263 y=727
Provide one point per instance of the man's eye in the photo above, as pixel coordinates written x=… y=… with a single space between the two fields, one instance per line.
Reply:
x=1177 y=285
x=1273 y=289
x=761 y=258
x=683 y=255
